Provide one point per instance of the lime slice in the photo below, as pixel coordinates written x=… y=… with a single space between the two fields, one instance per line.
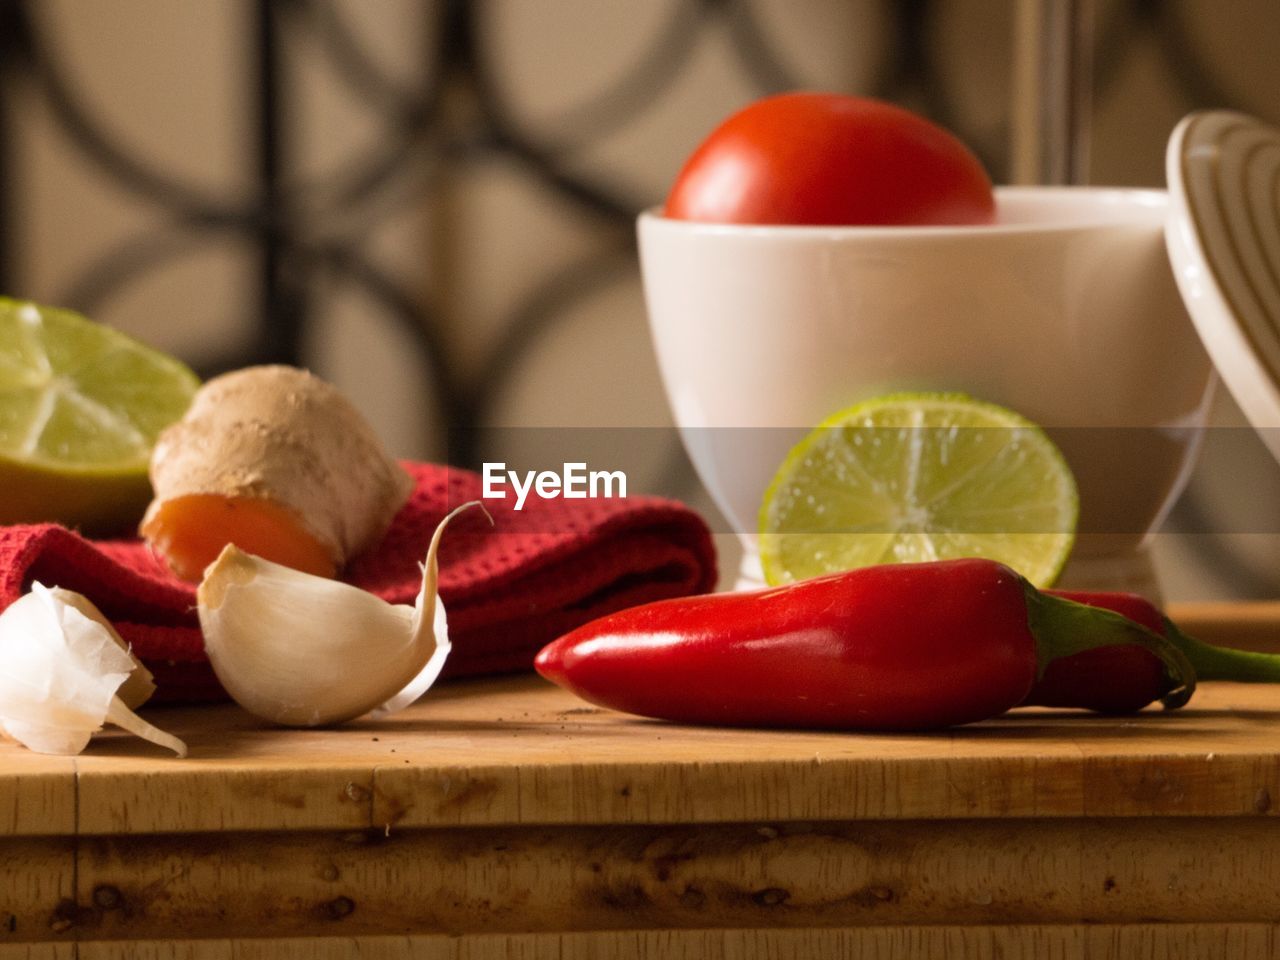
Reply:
x=919 y=476
x=80 y=407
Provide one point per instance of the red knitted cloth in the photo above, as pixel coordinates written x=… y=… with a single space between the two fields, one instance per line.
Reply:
x=508 y=588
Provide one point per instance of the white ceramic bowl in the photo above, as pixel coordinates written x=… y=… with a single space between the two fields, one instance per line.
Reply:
x=1064 y=310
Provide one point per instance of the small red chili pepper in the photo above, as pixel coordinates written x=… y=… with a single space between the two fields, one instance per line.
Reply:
x=897 y=647
x=1124 y=679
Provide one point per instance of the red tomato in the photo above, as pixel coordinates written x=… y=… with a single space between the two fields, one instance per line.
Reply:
x=814 y=158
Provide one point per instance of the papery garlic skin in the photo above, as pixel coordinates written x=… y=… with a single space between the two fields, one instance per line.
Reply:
x=141 y=684
x=305 y=651
x=60 y=672
x=430 y=671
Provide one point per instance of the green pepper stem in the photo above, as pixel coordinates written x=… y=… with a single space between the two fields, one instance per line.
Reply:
x=1225 y=663
x=1062 y=628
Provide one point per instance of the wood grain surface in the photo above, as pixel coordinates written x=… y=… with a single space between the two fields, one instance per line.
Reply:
x=1249 y=626
x=730 y=876
x=504 y=818
x=1146 y=942
x=520 y=751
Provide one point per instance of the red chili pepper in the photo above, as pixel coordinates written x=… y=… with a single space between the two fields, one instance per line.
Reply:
x=898 y=647
x=1124 y=679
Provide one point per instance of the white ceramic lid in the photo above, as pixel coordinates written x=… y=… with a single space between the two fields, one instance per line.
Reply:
x=1224 y=243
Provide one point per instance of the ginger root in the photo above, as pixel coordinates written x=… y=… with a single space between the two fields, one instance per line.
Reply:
x=278 y=462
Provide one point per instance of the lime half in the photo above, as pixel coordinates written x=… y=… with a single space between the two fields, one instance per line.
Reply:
x=80 y=408
x=919 y=476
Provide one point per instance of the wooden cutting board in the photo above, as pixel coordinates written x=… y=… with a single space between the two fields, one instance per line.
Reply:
x=507 y=819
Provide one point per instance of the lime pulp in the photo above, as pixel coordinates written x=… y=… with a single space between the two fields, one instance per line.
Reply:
x=913 y=477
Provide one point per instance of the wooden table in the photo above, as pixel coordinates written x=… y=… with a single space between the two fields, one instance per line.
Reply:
x=506 y=819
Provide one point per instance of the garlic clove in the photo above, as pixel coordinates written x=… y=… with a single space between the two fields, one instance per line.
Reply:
x=119 y=713
x=61 y=669
x=302 y=650
x=430 y=671
x=140 y=685
x=40 y=738
x=427 y=610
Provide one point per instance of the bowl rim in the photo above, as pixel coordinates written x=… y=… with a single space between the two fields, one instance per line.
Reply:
x=1141 y=206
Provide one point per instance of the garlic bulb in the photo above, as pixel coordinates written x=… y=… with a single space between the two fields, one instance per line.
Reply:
x=64 y=671
x=303 y=651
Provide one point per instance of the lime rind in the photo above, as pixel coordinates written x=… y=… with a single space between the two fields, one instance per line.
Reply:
x=911 y=477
